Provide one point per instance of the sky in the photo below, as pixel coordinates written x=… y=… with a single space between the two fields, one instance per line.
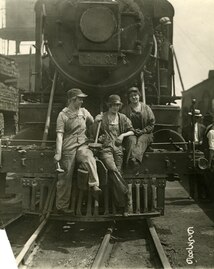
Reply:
x=193 y=40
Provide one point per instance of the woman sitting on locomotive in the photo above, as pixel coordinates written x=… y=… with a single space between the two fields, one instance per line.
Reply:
x=114 y=128
x=71 y=147
x=143 y=121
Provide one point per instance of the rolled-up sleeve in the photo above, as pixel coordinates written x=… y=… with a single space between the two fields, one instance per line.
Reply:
x=129 y=126
x=150 y=122
x=89 y=117
x=126 y=123
x=60 y=123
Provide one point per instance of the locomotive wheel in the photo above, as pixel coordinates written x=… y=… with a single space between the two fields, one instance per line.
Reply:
x=167 y=136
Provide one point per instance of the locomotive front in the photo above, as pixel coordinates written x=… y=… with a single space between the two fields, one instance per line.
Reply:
x=100 y=46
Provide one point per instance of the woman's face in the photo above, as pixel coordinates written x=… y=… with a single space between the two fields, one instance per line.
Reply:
x=76 y=102
x=114 y=108
x=134 y=98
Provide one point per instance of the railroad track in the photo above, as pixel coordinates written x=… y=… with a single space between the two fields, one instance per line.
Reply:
x=108 y=250
x=77 y=245
x=58 y=243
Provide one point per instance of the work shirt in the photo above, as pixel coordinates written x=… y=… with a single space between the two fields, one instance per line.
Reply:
x=144 y=119
x=111 y=130
x=73 y=125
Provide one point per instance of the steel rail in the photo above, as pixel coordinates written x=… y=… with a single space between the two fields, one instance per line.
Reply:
x=99 y=259
x=31 y=241
x=161 y=253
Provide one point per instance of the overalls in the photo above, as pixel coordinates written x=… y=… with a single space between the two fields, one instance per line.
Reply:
x=112 y=156
x=145 y=121
x=74 y=149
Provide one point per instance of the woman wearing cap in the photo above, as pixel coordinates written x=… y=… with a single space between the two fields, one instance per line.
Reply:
x=143 y=122
x=114 y=128
x=71 y=146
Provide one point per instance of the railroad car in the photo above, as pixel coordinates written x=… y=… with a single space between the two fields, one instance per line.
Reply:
x=102 y=47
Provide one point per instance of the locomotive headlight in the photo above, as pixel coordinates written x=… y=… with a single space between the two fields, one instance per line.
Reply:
x=98 y=24
x=202 y=163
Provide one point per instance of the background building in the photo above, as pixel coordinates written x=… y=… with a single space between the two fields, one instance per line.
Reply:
x=203 y=93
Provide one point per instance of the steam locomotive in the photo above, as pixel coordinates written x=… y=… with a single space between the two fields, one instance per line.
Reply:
x=102 y=47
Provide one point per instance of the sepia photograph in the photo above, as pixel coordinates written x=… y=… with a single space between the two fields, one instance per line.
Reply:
x=106 y=134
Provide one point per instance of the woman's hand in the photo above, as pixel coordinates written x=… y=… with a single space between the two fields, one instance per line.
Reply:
x=119 y=140
x=99 y=117
x=57 y=157
x=138 y=132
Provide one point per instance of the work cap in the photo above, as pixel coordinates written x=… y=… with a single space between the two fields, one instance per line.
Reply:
x=114 y=99
x=75 y=93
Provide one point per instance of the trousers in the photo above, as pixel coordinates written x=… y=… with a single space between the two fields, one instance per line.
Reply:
x=82 y=156
x=112 y=157
x=136 y=146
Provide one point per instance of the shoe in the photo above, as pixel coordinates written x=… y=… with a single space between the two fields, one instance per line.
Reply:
x=65 y=211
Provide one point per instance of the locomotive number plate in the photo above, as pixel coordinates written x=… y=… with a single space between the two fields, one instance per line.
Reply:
x=98 y=59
